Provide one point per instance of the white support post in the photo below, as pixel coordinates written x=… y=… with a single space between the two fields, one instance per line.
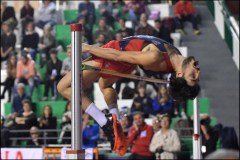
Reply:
x=197 y=140
x=76 y=151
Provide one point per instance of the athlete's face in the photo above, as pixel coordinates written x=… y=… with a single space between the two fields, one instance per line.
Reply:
x=191 y=71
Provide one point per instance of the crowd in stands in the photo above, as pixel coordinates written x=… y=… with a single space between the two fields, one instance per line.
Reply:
x=150 y=141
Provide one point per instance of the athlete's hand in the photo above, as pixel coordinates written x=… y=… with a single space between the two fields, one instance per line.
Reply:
x=85 y=48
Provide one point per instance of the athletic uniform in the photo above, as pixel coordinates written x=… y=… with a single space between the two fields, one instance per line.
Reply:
x=133 y=43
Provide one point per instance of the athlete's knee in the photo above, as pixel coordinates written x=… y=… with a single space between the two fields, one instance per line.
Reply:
x=60 y=87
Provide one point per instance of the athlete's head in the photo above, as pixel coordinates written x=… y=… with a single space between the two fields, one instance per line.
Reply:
x=184 y=85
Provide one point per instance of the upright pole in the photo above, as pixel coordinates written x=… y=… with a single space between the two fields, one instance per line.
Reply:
x=197 y=154
x=76 y=151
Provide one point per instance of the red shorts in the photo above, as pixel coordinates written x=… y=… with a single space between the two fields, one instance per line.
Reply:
x=133 y=45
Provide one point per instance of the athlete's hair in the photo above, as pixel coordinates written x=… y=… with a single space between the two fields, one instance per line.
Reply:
x=180 y=90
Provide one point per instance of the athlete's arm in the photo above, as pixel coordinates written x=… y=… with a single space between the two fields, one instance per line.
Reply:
x=132 y=57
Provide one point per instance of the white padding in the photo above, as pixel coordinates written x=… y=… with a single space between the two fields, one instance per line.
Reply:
x=183 y=50
x=163 y=8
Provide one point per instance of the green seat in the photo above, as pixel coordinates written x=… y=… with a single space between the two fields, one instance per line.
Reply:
x=7 y=108
x=203 y=106
x=62 y=55
x=186 y=148
x=213 y=121
x=70 y=15
x=98 y=16
x=63 y=35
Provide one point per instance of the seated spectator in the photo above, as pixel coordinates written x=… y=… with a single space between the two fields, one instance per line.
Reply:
x=105 y=8
x=67 y=64
x=184 y=11
x=53 y=75
x=87 y=9
x=156 y=123
x=126 y=124
x=165 y=143
x=87 y=31
x=90 y=133
x=118 y=36
x=24 y=120
x=35 y=135
x=30 y=40
x=125 y=30
x=100 y=41
x=144 y=28
x=26 y=14
x=48 y=121
x=66 y=125
x=163 y=103
x=142 y=102
x=134 y=8
x=8 y=15
x=8 y=41
x=46 y=14
x=139 y=137
x=209 y=135
x=26 y=71
x=161 y=31
x=11 y=75
x=47 y=41
x=103 y=29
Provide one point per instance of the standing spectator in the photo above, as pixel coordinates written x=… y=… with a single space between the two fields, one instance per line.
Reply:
x=106 y=10
x=30 y=40
x=26 y=14
x=87 y=9
x=53 y=75
x=140 y=136
x=134 y=8
x=142 y=102
x=48 y=121
x=67 y=64
x=26 y=71
x=163 y=103
x=90 y=133
x=87 y=32
x=184 y=11
x=8 y=15
x=11 y=75
x=47 y=41
x=35 y=135
x=165 y=143
x=103 y=29
x=161 y=31
x=66 y=125
x=125 y=30
x=46 y=14
x=144 y=28
x=8 y=41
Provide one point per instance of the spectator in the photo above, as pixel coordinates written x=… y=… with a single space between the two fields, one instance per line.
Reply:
x=101 y=40
x=53 y=75
x=8 y=15
x=90 y=133
x=118 y=36
x=103 y=29
x=11 y=75
x=163 y=103
x=106 y=10
x=161 y=31
x=8 y=41
x=126 y=124
x=67 y=64
x=165 y=143
x=139 y=136
x=184 y=11
x=35 y=141
x=156 y=123
x=209 y=135
x=134 y=8
x=125 y=30
x=48 y=121
x=26 y=71
x=46 y=14
x=47 y=41
x=144 y=28
x=66 y=125
x=30 y=40
x=142 y=102
x=87 y=32
x=87 y=9
x=25 y=120
x=26 y=14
